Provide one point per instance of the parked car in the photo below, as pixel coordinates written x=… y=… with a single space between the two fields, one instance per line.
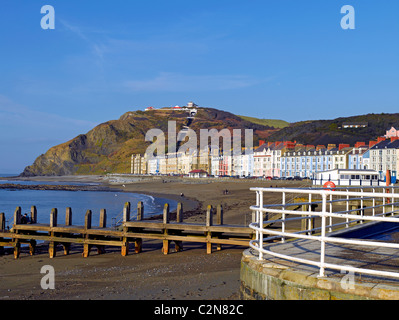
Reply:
x=268 y=178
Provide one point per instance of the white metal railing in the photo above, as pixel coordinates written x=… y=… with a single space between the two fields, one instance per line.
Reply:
x=385 y=205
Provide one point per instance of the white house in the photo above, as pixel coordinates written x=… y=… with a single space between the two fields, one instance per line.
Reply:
x=198 y=173
x=348 y=177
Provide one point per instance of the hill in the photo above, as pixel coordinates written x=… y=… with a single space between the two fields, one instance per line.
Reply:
x=331 y=131
x=109 y=146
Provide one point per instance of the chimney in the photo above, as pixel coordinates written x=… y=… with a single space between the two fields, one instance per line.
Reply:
x=359 y=144
x=331 y=146
x=319 y=147
x=289 y=144
x=309 y=146
x=372 y=143
x=343 y=145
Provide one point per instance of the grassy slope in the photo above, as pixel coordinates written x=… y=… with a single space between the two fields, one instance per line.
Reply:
x=267 y=122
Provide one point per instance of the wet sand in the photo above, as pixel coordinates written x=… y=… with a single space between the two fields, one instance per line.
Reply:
x=150 y=275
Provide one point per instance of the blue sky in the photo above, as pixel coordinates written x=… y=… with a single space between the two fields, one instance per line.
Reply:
x=287 y=60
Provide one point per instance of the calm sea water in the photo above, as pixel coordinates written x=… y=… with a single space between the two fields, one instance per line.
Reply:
x=79 y=201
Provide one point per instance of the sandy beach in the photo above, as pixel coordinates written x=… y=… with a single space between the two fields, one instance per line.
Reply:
x=150 y=275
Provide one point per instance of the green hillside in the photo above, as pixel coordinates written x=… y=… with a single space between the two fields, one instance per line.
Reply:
x=267 y=122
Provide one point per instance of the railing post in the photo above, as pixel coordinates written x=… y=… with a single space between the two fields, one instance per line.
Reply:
x=383 y=202
x=256 y=218
x=361 y=206
x=330 y=218
x=260 y=225
x=347 y=208
x=283 y=218
x=323 y=235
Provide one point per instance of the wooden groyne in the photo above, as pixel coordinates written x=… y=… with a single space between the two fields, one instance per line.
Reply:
x=130 y=231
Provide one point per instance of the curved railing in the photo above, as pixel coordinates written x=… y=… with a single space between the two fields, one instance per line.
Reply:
x=384 y=207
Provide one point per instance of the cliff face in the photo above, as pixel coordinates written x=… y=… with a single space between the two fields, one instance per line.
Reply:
x=108 y=146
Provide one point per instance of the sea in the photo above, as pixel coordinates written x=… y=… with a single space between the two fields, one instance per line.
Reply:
x=79 y=201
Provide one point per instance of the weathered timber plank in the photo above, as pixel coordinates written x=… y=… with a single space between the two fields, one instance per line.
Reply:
x=186 y=227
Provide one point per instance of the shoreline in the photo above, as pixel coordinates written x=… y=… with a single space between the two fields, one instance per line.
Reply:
x=190 y=205
x=149 y=275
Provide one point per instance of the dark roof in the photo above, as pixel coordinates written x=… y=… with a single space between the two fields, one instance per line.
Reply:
x=386 y=144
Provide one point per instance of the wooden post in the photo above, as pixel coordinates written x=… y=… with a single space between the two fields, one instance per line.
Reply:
x=33 y=220
x=126 y=212
x=33 y=214
x=52 y=250
x=126 y=218
x=209 y=216
x=2 y=222
x=219 y=221
x=68 y=216
x=53 y=217
x=2 y=229
x=86 y=246
x=32 y=247
x=103 y=218
x=179 y=219
x=166 y=218
x=166 y=215
x=138 y=243
x=17 y=215
x=68 y=222
x=179 y=213
x=140 y=211
x=208 y=223
x=219 y=214
x=17 y=244
x=102 y=224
